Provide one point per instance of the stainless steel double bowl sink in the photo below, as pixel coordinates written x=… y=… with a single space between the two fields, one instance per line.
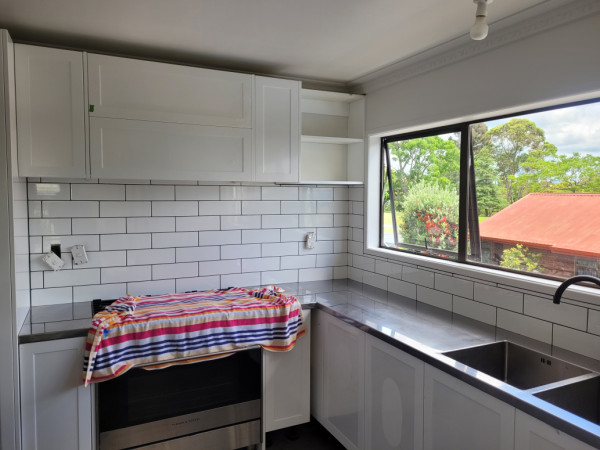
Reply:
x=563 y=384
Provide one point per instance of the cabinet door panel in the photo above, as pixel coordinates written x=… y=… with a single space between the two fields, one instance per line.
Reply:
x=56 y=409
x=151 y=150
x=533 y=434
x=287 y=384
x=343 y=384
x=457 y=415
x=277 y=129
x=145 y=90
x=393 y=397
x=50 y=112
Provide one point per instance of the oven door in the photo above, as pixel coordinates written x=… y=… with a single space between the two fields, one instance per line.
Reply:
x=188 y=404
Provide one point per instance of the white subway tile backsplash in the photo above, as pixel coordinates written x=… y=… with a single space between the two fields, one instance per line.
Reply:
x=97 y=192
x=298 y=207
x=279 y=221
x=280 y=193
x=299 y=262
x=125 y=274
x=241 y=280
x=40 y=227
x=188 y=254
x=280 y=249
x=375 y=279
x=99 y=226
x=104 y=259
x=156 y=287
x=240 y=251
x=99 y=291
x=452 y=285
x=179 y=270
x=221 y=207
x=340 y=272
x=340 y=246
x=418 y=276
x=48 y=191
x=219 y=267
x=341 y=193
x=196 y=192
x=295 y=234
x=219 y=237
x=125 y=209
x=202 y=223
x=63 y=278
x=525 y=325
x=594 y=321
x=364 y=263
x=149 y=192
x=576 y=341
x=150 y=224
x=239 y=192
x=332 y=234
x=37 y=264
x=197 y=283
x=261 y=207
x=151 y=256
x=434 y=298
x=70 y=209
x=178 y=239
x=316 y=274
x=167 y=208
x=51 y=296
x=502 y=298
x=320 y=247
x=260 y=236
x=475 y=310
x=332 y=207
x=315 y=193
x=356 y=194
x=91 y=243
x=260 y=264
x=36 y=280
x=336 y=259
x=124 y=241
x=402 y=288
x=563 y=313
x=279 y=276
x=341 y=220
x=315 y=220
x=240 y=222
x=34 y=209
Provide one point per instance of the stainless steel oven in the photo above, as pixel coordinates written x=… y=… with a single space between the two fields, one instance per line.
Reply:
x=214 y=404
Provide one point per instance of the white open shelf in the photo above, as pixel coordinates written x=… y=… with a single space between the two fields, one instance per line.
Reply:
x=332 y=150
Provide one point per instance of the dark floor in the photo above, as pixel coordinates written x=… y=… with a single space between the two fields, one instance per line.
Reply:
x=310 y=435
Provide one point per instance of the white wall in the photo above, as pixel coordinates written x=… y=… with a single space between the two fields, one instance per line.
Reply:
x=555 y=64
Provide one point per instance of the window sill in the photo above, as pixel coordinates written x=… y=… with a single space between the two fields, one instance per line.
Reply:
x=505 y=279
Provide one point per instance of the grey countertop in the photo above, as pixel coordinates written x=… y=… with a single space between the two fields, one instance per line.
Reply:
x=416 y=328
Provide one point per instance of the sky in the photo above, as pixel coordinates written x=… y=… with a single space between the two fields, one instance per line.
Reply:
x=573 y=129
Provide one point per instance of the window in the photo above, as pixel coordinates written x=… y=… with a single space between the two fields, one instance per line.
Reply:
x=518 y=193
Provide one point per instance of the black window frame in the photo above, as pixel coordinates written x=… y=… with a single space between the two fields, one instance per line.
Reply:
x=468 y=220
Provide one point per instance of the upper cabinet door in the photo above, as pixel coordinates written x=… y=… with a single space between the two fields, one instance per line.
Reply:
x=50 y=112
x=145 y=90
x=277 y=129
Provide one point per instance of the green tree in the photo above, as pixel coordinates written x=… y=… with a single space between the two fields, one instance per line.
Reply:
x=520 y=258
x=430 y=216
x=489 y=194
x=511 y=144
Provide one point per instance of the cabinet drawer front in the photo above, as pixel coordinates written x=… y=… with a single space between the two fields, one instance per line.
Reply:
x=131 y=149
x=144 y=90
x=50 y=112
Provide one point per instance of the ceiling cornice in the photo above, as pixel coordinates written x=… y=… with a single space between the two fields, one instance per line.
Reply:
x=502 y=32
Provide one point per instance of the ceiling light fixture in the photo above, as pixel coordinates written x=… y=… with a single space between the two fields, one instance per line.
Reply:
x=479 y=30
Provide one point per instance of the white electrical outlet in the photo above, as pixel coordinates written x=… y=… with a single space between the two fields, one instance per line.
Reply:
x=310 y=239
x=53 y=261
x=79 y=254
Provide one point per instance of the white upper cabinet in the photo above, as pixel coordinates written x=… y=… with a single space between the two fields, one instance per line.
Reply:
x=277 y=129
x=144 y=90
x=50 y=112
x=332 y=148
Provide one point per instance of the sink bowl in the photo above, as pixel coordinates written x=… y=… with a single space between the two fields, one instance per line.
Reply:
x=581 y=398
x=518 y=366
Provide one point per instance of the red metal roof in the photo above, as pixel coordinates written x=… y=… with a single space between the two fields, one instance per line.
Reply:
x=562 y=223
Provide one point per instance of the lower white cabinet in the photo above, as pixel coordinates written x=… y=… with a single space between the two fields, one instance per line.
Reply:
x=393 y=398
x=56 y=409
x=533 y=434
x=459 y=416
x=343 y=362
x=286 y=378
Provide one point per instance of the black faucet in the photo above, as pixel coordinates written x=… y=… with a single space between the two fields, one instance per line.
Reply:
x=565 y=284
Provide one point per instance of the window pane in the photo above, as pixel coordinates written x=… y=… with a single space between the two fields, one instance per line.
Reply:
x=538 y=191
x=424 y=187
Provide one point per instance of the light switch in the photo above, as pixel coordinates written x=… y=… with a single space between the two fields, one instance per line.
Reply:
x=79 y=254
x=53 y=261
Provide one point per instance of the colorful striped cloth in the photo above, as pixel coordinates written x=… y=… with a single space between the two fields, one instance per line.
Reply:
x=137 y=331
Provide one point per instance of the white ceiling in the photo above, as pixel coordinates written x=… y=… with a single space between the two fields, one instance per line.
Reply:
x=321 y=40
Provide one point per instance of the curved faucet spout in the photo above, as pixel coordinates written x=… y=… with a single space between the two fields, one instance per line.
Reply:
x=565 y=284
